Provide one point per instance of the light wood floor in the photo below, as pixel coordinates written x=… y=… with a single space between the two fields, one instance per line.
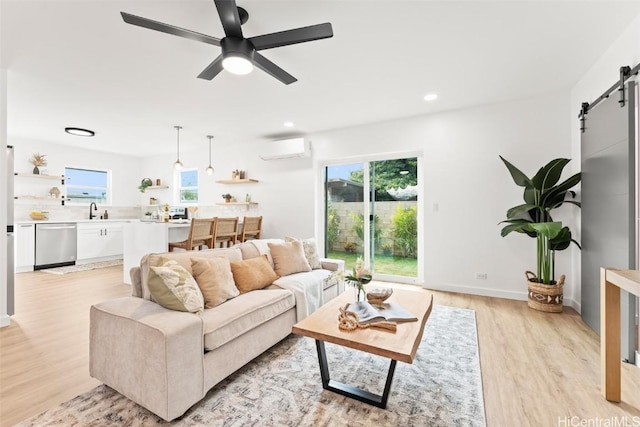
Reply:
x=537 y=369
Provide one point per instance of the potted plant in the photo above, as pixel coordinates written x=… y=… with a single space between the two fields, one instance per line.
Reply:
x=542 y=194
x=227 y=197
x=146 y=182
x=38 y=160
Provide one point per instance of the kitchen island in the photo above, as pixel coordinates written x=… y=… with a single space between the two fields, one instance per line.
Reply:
x=144 y=237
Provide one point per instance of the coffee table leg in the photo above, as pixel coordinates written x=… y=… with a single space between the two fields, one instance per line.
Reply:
x=350 y=391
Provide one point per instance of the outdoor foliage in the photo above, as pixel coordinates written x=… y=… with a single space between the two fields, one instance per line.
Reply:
x=333 y=226
x=405 y=229
x=358 y=227
x=386 y=175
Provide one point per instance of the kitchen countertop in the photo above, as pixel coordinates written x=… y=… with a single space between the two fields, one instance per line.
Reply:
x=49 y=221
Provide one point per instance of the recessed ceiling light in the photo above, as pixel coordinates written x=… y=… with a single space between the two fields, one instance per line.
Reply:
x=431 y=97
x=288 y=124
x=79 y=132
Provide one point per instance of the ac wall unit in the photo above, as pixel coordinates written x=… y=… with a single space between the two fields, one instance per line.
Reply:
x=286 y=149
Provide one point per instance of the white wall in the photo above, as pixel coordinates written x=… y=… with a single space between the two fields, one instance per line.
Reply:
x=600 y=77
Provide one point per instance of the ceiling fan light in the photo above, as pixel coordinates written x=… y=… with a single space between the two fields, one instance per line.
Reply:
x=236 y=64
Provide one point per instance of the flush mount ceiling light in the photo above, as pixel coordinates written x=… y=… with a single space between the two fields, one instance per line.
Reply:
x=431 y=97
x=79 y=131
x=178 y=164
x=209 y=169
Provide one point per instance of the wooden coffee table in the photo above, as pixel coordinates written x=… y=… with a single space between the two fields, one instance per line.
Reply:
x=401 y=346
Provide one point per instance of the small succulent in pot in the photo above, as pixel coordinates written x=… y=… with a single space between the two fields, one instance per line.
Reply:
x=227 y=197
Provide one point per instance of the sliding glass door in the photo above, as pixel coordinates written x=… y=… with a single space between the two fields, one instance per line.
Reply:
x=371 y=211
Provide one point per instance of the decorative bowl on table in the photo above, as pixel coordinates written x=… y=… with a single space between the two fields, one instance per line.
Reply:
x=378 y=296
x=39 y=215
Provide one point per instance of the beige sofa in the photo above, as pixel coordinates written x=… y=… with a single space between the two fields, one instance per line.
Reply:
x=167 y=360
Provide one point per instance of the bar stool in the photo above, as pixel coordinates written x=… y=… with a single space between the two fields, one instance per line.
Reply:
x=201 y=233
x=251 y=227
x=226 y=231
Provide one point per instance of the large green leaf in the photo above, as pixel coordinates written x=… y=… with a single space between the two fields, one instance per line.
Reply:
x=561 y=241
x=519 y=210
x=550 y=174
x=531 y=195
x=518 y=177
x=550 y=196
x=517 y=225
x=547 y=229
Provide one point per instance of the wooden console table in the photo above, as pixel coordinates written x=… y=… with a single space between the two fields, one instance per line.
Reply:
x=611 y=281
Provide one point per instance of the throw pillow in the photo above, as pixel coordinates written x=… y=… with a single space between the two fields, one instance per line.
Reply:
x=252 y=274
x=310 y=251
x=173 y=287
x=215 y=280
x=288 y=258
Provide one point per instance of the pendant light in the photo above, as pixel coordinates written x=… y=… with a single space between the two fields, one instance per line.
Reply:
x=209 y=169
x=178 y=164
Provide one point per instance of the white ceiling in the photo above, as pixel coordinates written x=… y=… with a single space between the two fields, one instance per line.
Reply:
x=76 y=63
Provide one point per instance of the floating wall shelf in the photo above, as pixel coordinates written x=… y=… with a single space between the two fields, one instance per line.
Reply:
x=156 y=187
x=237 y=181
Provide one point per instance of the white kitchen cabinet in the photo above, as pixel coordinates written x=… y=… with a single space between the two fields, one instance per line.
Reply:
x=100 y=240
x=25 y=247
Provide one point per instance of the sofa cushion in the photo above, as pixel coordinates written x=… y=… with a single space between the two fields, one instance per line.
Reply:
x=262 y=245
x=310 y=251
x=239 y=315
x=288 y=258
x=307 y=288
x=184 y=259
x=252 y=274
x=174 y=288
x=214 y=279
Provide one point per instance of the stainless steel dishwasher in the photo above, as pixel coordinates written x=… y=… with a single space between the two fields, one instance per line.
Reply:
x=55 y=245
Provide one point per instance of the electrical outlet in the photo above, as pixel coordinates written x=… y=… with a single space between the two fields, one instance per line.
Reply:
x=481 y=276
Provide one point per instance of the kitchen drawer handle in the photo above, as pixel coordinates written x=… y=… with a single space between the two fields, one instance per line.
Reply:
x=71 y=227
x=26 y=225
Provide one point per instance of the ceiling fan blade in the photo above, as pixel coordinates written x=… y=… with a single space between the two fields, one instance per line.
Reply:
x=229 y=17
x=169 y=29
x=212 y=70
x=298 y=35
x=270 y=68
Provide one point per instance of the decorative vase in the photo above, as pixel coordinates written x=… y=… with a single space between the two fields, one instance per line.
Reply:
x=36 y=171
x=360 y=293
x=541 y=297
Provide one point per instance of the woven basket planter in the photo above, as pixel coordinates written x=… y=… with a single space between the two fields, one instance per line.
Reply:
x=547 y=298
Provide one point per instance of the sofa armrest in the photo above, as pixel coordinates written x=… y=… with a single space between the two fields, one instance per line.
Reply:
x=150 y=354
x=332 y=264
x=136 y=281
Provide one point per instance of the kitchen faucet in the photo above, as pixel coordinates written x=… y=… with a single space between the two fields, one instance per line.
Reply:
x=95 y=208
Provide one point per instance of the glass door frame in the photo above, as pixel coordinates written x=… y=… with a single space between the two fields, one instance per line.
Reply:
x=321 y=202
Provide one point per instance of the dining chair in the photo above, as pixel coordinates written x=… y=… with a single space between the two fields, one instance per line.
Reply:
x=251 y=227
x=201 y=233
x=226 y=231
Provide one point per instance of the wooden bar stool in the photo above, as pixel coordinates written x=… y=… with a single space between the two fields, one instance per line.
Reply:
x=201 y=233
x=251 y=227
x=226 y=232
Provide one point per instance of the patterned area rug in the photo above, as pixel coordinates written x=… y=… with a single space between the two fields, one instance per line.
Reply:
x=443 y=387
x=83 y=267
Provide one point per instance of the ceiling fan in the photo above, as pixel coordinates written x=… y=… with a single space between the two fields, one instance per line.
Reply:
x=239 y=54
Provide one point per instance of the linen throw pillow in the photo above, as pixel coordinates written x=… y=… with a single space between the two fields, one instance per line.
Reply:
x=173 y=287
x=215 y=280
x=288 y=258
x=252 y=274
x=310 y=251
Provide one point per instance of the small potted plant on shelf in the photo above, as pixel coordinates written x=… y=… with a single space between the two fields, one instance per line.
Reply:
x=227 y=197
x=38 y=160
x=542 y=194
x=146 y=182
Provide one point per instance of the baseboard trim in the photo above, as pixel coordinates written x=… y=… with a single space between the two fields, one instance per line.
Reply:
x=5 y=320
x=496 y=293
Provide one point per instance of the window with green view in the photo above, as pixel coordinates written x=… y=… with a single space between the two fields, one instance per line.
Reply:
x=188 y=186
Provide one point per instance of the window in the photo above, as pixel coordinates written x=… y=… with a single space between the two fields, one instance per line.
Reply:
x=188 y=186
x=87 y=185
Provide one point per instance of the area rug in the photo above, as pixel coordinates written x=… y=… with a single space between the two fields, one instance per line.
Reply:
x=443 y=387
x=82 y=267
